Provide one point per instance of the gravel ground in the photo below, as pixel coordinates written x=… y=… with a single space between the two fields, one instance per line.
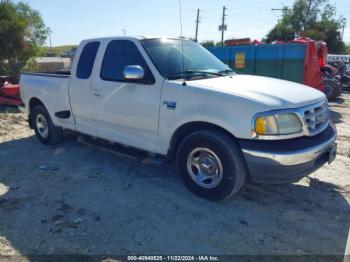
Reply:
x=78 y=199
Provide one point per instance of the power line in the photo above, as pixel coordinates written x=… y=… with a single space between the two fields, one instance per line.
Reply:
x=167 y=5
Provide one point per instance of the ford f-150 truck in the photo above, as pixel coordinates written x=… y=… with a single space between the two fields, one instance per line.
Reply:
x=172 y=98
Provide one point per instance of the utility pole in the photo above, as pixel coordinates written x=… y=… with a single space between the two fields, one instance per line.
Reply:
x=197 y=23
x=309 y=9
x=49 y=32
x=343 y=23
x=307 y=18
x=277 y=9
x=283 y=11
x=50 y=41
x=223 y=26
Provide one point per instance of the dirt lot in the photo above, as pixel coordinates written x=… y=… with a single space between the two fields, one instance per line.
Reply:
x=75 y=199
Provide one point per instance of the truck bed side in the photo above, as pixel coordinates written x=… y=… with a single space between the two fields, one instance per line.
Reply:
x=52 y=91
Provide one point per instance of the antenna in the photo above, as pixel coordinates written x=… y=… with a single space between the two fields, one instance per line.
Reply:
x=182 y=47
x=197 y=23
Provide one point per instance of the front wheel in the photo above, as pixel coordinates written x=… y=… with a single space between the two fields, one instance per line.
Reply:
x=331 y=89
x=45 y=130
x=211 y=165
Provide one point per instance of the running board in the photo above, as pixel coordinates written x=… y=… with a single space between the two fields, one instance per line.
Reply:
x=121 y=151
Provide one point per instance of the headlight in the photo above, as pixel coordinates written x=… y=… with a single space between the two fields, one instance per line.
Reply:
x=279 y=124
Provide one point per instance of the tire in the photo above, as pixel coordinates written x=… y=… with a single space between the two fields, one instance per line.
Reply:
x=339 y=90
x=203 y=152
x=329 y=89
x=45 y=130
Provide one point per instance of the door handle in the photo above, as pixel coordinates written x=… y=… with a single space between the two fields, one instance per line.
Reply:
x=97 y=94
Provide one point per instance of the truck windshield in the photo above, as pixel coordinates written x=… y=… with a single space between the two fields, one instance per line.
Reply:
x=166 y=54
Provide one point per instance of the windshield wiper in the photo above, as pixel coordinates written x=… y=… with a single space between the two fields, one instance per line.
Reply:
x=190 y=73
x=226 y=72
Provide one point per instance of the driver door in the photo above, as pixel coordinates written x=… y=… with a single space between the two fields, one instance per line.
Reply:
x=126 y=112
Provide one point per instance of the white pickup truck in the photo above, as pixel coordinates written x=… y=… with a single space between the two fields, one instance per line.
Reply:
x=173 y=98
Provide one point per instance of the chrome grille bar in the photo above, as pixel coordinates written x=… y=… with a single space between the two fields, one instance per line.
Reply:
x=317 y=118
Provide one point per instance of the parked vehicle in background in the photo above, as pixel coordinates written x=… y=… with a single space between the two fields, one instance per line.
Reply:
x=339 y=58
x=343 y=69
x=173 y=98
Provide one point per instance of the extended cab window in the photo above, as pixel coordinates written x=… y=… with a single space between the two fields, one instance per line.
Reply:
x=120 y=54
x=87 y=60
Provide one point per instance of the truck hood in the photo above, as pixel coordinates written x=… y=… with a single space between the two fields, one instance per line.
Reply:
x=275 y=93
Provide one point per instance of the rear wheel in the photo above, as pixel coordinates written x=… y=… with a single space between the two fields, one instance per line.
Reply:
x=211 y=165
x=339 y=90
x=331 y=89
x=45 y=130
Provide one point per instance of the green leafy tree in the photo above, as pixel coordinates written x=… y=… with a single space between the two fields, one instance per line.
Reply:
x=317 y=21
x=208 y=43
x=22 y=35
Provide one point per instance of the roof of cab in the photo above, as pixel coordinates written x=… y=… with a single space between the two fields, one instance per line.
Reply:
x=128 y=38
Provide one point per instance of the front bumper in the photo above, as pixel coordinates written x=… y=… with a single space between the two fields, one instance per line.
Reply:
x=281 y=161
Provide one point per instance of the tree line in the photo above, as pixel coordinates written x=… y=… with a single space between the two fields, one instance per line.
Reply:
x=22 y=36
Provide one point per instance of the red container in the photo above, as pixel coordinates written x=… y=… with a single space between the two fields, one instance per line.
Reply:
x=10 y=90
x=10 y=95
x=10 y=101
x=312 y=70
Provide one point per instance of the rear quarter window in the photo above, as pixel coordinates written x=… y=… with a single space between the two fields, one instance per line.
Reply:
x=87 y=60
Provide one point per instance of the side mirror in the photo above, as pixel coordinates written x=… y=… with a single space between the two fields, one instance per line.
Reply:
x=133 y=72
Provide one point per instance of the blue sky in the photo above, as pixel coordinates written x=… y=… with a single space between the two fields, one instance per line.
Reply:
x=74 y=20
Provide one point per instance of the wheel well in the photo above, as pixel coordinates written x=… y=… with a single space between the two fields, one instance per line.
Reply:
x=34 y=102
x=186 y=129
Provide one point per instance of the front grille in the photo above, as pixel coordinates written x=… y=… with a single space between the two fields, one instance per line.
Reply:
x=317 y=118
